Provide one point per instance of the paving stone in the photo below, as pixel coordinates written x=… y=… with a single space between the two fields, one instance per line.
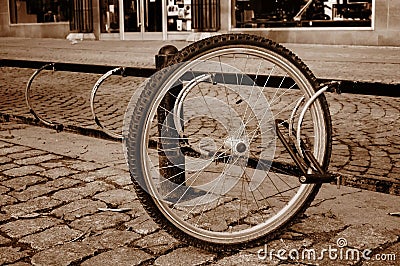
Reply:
x=93 y=188
x=53 y=236
x=7 y=200
x=78 y=209
x=20 y=228
x=120 y=256
x=4 y=189
x=4 y=159
x=112 y=238
x=121 y=180
x=4 y=144
x=85 y=166
x=4 y=217
x=134 y=209
x=143 y=225
x=37 y=159
x=8 y=166
x=9 y=255
x=88 y=177
x=68 y=195
x=319 y=223
x=20 y=263
x=65 y=254
x=45 y=188
x=88 y=190
x=186 y=256
x=34 y=205
x=100 y=221
x=110 y=171
x=58 y=172
x=51 y=165
x=26 y=154
x=117 y=197
x=23 y=170
x=12 y=149
x=20 y=183
x=158 y=242
x=4 y=240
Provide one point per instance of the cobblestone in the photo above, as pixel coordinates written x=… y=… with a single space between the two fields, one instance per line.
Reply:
x=20 y=183
x=60 y=223
x=9 y=255
x=158 y=243
x=120 y=256
x=51 y=237
x=184 y=256
x=58 y=172
x=78 y=209
x=34 y=205
x=99 y=221
x=64 y=254
x=20 y=228
x=116 y=197
x=23 y=170
x=37 y=160
x=111 y=239
x=4 y=240
x=50 y=213
x=43 y=189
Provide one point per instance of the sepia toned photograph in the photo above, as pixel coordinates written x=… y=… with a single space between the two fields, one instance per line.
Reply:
x=199 y=132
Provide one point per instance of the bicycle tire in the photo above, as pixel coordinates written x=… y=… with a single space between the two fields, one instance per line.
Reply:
x=137 y=140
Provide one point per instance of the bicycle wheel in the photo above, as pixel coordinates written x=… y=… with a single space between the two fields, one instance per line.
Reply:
x=202 y=143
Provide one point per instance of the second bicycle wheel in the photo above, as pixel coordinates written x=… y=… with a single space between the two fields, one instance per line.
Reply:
x=202 y=143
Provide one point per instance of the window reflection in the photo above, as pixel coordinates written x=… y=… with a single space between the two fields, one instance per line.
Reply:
x=301 y=13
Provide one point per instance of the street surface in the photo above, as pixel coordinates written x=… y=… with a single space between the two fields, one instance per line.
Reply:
x=61 y=196
x=60 y=190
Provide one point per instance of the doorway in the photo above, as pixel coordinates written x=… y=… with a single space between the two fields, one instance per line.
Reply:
x=132 y=19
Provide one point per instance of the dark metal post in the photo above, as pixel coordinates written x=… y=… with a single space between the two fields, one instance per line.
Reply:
x=171 y=159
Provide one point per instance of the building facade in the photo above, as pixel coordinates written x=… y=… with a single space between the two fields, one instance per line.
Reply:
x=359 y=22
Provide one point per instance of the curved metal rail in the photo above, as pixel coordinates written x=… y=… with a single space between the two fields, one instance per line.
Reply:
x=93 y=95
x=56 y=125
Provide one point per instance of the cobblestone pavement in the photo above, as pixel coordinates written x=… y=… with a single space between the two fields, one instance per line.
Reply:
x=57 y=189
x=57 y=205
x=366 y=128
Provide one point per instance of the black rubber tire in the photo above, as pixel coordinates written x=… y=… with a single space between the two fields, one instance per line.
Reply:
x=192 y=52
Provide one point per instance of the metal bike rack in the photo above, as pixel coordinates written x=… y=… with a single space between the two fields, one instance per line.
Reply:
x=304 y=158
x=57 y=126
x=93 y=95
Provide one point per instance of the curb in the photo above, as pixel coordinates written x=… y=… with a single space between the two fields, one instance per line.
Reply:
x=382 y=185
x=346 y=86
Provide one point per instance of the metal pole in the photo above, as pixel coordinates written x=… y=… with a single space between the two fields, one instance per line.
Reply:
x=171 y=159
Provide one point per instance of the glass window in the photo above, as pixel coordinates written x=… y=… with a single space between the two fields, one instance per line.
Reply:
x=301 y=13
x=39 y=11
x=109 y=16
x=179 y=14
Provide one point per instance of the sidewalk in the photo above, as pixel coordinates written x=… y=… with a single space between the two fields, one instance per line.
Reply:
x=355 y=63
x=54 y=188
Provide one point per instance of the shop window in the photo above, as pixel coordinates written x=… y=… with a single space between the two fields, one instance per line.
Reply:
x=82 y=16
x=39 y=11
x=109 y=10
x=179 y=15
x=301 y=13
